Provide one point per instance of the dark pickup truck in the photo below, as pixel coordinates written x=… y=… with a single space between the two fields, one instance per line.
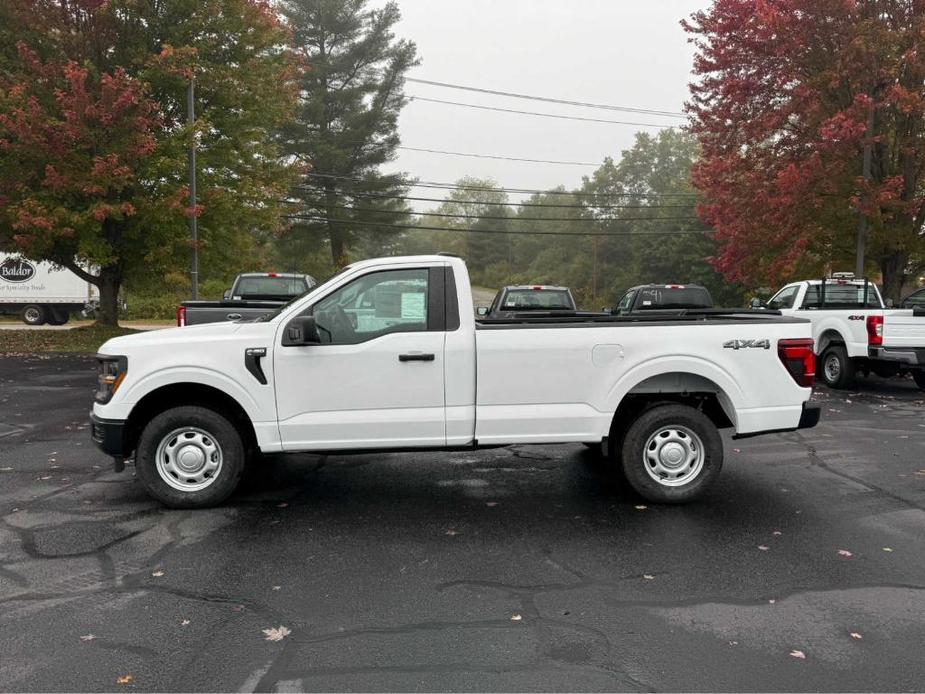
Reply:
x=253 y=295
x=662 y=297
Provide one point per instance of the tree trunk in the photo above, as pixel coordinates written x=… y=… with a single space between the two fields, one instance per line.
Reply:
x=893 y=267
x=109 y=282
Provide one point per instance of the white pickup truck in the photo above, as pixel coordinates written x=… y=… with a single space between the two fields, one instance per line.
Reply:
x=853 y=331
x=388 y=355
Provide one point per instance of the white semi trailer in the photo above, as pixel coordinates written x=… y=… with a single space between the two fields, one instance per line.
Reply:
x=40 y=292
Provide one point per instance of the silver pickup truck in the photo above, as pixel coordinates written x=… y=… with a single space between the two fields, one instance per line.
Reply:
x=253 y=295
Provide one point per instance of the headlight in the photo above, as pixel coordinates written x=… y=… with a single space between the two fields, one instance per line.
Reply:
x=111 y=374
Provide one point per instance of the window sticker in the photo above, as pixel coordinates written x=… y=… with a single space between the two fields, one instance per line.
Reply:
x=412 y=306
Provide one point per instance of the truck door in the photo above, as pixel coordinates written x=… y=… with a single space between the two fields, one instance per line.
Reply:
x=376 y=379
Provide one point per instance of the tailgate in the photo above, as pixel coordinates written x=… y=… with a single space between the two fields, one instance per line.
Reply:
x=902 y=328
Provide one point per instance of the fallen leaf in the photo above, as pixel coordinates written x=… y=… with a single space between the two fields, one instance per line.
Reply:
x=777 y=532
x=238 y=608
x=772 y=601
x=856 y=635
x=648 y=577
x=491 y=504
x=157 y=574
x=845 y=553
x=516 y=618
x=282 y=505
x=737 y=450
x=451 y=532
x=6 y=469
x=276 y=633
x=184 y=622
x=798 y=654
x=276 y=587
x=125 y=679
x=733 y=643
x=87 y=637
x=641 y=507
x=763 y=548
x=887 y=549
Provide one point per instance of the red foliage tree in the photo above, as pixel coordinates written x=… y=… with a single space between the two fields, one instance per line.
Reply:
x=781 y=109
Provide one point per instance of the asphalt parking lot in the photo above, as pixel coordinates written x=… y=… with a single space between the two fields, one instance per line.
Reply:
x=515 y=569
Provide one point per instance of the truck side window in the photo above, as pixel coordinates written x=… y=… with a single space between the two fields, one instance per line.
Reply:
x=784 y=298
x=626 y=303
x=373 y=305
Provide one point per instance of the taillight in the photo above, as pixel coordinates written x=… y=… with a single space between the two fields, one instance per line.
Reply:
x=181 y=316
x=798 y=357
x=874 y=330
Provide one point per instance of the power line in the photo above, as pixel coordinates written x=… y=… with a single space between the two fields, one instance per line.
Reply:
x=535 y=191
x=534 y=113
x=677 y=232
x=492 y=156
x=514 y=219
x=512 y=204
x=585 y=104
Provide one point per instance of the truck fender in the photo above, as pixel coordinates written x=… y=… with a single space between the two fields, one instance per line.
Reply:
x=193 y=374
x=699 y=374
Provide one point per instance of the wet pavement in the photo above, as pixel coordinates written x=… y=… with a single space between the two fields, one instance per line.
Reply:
x=526 y=568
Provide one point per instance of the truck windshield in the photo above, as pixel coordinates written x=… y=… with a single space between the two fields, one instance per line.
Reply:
x=253 y=287
x=673 y=297
x=537 y=300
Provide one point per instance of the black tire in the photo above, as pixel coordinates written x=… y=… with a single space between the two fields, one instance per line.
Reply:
x=919 y=377
x=837 y=368
x=685 y=482
x=33 y=314
x=217 y=429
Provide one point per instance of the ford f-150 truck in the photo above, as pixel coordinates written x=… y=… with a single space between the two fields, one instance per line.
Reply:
x=388 y=355
x=853 y=331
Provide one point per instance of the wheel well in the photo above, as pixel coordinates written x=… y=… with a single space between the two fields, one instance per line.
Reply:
x=176 y=394
x=828 y=338
x=702 y=394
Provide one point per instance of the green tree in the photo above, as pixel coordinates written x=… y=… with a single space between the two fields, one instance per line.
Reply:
x=346 y=126
x=92 y=125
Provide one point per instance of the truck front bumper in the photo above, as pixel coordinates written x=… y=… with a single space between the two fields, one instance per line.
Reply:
x=107 y=435
x=913 y=356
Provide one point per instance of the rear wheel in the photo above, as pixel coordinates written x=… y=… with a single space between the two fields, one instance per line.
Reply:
x=672 y=453
x=33 y=314
x=919 y=378
x=190 y=457
x=837 y=368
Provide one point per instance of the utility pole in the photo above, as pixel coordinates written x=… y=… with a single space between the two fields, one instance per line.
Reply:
x=594 y=270
x=194 y=231
x=866 y=172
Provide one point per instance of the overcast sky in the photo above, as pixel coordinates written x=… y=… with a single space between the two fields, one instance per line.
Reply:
x=621 y=52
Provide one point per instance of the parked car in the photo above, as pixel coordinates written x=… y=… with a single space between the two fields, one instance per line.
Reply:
x=387 y=354
x=253 y=295
x=656 y=297
x=853 y=331
x=532 y=298
x=915 y=300
x=41 y=293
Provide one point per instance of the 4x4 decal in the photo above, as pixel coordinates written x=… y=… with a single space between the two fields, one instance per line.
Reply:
x=747 y=344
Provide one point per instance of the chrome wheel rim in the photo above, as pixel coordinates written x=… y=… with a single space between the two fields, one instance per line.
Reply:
x=189 y=459
x=832 y=368
x=33 y=315
x=673 y=456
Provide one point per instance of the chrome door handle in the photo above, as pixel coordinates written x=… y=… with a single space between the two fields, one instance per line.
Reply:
x=233 y=316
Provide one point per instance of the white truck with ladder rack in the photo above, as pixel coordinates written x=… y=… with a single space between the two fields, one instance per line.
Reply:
x=854 y=330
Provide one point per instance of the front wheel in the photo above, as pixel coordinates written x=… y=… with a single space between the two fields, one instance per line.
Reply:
x=837 y=368
x=672 y=454
x=919 y=377
x=190 y=457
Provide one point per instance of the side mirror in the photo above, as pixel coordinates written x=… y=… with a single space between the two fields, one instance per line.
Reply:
x=482 y=310
x=756 y=302
x=226 y=295
x=301 y=330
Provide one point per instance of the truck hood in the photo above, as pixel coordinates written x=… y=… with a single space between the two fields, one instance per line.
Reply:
x=200 y=334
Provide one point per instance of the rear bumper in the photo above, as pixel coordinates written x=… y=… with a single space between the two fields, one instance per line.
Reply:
x=913 y=356
x=808 y=419
x=107 y=435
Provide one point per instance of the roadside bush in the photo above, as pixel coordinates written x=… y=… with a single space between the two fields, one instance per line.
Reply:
x=148 y=307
